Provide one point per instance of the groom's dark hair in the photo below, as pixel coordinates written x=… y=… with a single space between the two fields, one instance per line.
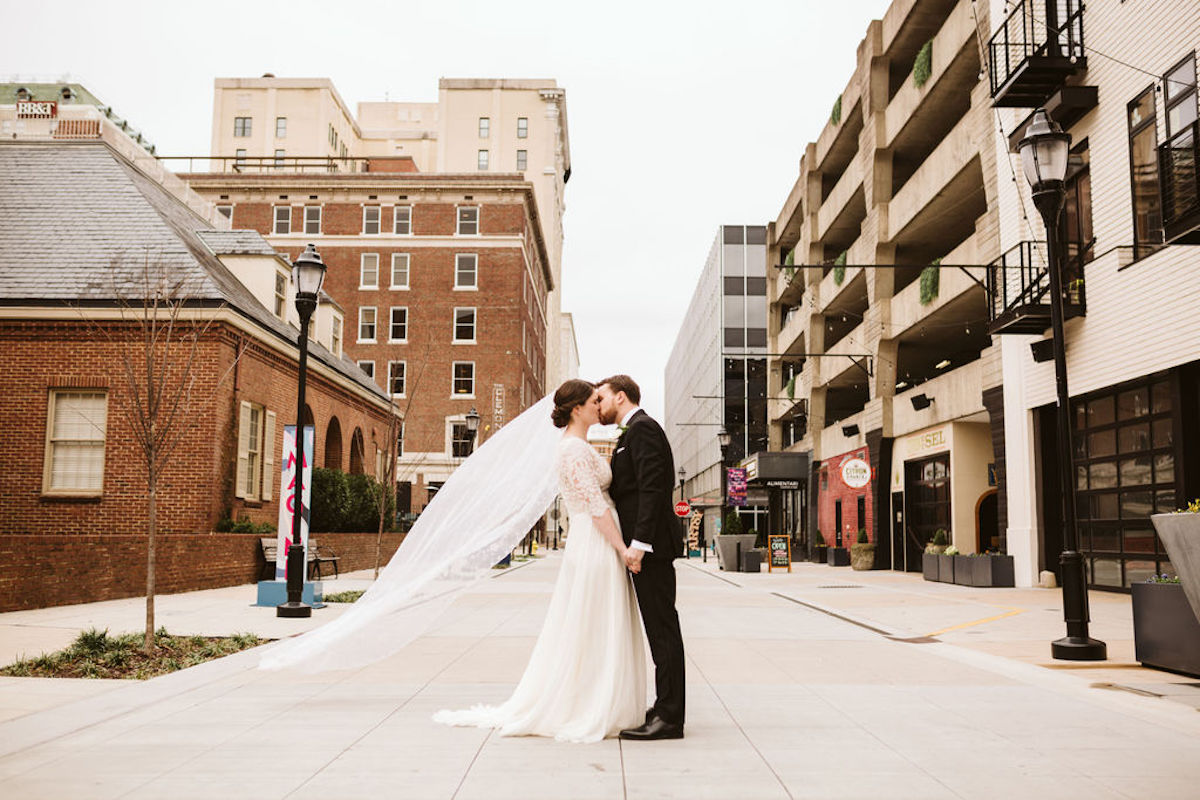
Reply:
x=626 y=384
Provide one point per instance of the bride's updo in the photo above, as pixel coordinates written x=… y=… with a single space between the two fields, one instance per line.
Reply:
x=574 y=392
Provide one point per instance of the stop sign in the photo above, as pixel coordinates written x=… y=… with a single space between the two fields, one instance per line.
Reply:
x=682 y=509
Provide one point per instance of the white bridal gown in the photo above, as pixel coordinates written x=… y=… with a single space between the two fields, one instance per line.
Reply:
x=586 y=678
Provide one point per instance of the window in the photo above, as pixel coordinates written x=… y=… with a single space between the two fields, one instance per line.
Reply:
x=1075 y=224
x=400 y=451
x=522 y=160
x=460 y=440
x=370 y=219
x=468 y=221
x=75 y=432
x=522 y=127
x=312 y=219
x=466 y=271
x=333 y=137
x=366 y=324
x=241 y=126
x=225 y=211
x=281 y=127
x=399 y=271
x=483 y=159
x=1179 y=96
x=398 y=330
x=279 y=156
x=256 y=443
x=368 y=271
x=464 y=378
x=485 y=126
x=283 y=220
x=402 y=220
x=239 y=157
x=280 y=294
x=335 y=337
x=1143 y=159
x=464 y=325
x=396 y=376
x=367 y=367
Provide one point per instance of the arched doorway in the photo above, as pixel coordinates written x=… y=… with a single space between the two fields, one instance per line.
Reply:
x=333 y=445
x=356 y=452
x=987 y=523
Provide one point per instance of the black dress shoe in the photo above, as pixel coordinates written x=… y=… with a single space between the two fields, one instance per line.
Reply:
x=656 y=728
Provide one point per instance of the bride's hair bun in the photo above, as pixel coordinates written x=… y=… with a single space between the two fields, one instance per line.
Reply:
x=574 y=392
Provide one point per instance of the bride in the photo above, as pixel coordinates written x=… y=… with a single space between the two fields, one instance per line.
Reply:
x=586 y=677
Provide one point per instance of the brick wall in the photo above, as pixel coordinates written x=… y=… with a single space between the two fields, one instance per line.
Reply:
x=832 y=489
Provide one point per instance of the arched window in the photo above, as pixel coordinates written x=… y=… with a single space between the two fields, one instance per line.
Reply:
x=333 y=445
x=356 y=452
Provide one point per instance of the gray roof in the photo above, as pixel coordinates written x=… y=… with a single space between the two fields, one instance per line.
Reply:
x=77 y=221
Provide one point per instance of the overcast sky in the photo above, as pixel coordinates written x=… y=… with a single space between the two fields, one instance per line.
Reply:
x=682 y=116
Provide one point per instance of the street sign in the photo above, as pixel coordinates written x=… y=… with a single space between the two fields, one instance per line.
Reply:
x=682 y=509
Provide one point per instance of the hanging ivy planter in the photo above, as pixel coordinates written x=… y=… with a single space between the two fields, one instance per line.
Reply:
x=835 y=116
x=839 y=268
x=791 y=388
x=923 y=66
x=929 y=282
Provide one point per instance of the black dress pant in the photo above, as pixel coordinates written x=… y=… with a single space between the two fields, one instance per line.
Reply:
x=655 y=586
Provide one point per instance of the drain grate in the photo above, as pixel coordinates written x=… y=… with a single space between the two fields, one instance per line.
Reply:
x=842 y=586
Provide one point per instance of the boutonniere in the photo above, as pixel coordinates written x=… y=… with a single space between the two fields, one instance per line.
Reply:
x=622 y=428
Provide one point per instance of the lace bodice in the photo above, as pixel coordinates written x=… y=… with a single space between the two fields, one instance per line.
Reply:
x=583 y=477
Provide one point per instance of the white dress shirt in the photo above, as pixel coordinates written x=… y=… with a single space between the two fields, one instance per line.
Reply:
x=635 y=544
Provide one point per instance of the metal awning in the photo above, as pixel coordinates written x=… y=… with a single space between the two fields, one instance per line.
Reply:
x=764 y=468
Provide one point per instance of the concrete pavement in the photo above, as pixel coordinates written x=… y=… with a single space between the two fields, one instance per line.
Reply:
x=800 y=685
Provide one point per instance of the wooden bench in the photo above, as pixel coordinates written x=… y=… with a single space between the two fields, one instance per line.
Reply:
x=316 y=557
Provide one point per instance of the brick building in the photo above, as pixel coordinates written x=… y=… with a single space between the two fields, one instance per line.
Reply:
x=444 y=280
x=79 y=222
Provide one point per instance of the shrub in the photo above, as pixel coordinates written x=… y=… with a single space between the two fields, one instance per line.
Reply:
x=818 y=540
x=923 y=66
x=790 y=259
x=733 y=524
x=835 y=116
x=791 y=388
x=950 y=551
x=939 y=537
x=330 y=499
x=347 y=503
x=929 y=282
x=862 y=536
x=243 y=525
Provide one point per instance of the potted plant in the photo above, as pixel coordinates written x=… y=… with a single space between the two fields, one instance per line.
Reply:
x=1166 y=632
x=946 y=563
x=1180 y=535
x=819 y=548
x=862 y=553
x=992 y=570
x=838 y=556
x=732 y=542
x=962 y=567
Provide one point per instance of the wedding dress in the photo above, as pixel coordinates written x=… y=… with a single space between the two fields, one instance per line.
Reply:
x=586 y=677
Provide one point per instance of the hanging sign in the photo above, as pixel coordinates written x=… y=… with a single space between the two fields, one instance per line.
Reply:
x=736 y=486
x=856 y=473
x=287 y=497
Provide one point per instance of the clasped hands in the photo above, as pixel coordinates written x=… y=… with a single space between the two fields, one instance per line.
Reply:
x=633 y=560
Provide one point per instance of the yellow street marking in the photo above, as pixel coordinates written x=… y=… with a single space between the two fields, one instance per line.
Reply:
x=1011 y=613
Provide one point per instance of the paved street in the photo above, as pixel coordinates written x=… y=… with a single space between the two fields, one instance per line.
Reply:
x=799 y=685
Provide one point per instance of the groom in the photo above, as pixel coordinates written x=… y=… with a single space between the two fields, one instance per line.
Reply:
x=643 y=477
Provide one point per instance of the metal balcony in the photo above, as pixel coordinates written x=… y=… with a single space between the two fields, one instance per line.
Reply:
x=1018 y=287
x=1177 y=177
x=1033 y=52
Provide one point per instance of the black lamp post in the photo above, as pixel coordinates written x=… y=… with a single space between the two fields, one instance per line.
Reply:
x=724 y=439
x=687 y=548
x=308 y=273
x=472 y=426
x=1044 y=159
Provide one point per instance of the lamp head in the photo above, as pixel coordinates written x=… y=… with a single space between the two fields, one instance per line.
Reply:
x=472 y=420
x=723 y=438
x=308 y=273
x=1044 y=150
x=682 y=474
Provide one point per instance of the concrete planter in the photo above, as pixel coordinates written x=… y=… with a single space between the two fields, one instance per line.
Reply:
x=838 y=557
x=991 y=571
x=1180 y=534
x=862 y=556
x=727 y=549
x=945 y=568
x=1166 y=633
x=962 y=570
x=929 y=566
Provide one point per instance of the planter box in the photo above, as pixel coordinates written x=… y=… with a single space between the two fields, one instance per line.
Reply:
x=945 y=569
x=838 y=557
x=962 y=570
x=862 y=557
x=929 y=566
x=1180 y=534
x=727 y=549
x=992 y=571
x=819 y=555
x=1166 y=633
x=752 y=560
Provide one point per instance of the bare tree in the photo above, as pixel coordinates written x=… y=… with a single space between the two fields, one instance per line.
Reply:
x=158 y=352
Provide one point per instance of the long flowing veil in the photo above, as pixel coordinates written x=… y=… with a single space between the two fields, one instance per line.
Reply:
x=474 y=520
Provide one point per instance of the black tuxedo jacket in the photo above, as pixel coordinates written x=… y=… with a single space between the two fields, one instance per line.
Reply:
x=643 y=479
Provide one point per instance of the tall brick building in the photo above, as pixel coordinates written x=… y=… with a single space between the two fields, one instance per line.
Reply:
x=443 y=279
x=78 y=223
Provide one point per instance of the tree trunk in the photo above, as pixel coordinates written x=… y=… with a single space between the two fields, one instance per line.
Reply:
x=379 y=540
x=148 y=640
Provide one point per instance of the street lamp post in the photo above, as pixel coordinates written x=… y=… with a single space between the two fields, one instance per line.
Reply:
x=1044 y=159
x=472 y=426
x=687 y=547
x=308 y=273
x=724 y=439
